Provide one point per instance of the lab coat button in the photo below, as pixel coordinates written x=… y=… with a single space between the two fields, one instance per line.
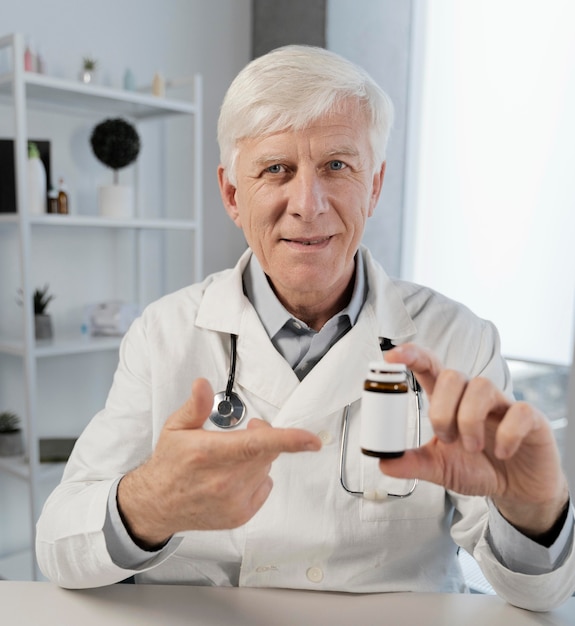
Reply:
x=315 y=574
x=325 y=437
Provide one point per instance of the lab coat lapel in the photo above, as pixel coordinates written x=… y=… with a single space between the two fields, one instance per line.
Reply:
x=335 y=381
x=260 y=370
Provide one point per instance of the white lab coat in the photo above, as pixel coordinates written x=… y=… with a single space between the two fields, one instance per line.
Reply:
x=310 y=534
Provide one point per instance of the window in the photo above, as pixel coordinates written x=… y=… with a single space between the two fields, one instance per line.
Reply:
x=493 y=184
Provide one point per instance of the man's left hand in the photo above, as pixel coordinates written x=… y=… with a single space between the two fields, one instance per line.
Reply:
x=484 y=444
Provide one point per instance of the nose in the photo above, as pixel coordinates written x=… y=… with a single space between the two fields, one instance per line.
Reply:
x=307 y=195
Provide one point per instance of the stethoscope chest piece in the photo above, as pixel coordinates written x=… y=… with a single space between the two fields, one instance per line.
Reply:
x=228 y=410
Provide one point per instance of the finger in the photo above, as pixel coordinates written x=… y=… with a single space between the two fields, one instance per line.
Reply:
x=480 y=400
x=259 y=442
x=423 y=363
x=520 y=420
x=444 y=404
x=195 y=410
x=420 y=463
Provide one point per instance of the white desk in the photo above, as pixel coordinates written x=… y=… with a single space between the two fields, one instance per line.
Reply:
x=44 y=604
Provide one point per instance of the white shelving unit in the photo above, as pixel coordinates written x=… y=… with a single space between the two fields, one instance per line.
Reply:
x=26 y=92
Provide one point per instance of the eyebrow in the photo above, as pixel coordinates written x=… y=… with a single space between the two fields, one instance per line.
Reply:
x=343 y=150
x=270 y=158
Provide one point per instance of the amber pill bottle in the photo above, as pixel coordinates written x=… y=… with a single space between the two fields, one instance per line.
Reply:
x=383 y=431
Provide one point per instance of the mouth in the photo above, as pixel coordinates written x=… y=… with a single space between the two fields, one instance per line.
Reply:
x=307 y=241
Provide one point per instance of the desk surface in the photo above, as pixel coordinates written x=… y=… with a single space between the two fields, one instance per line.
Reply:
x=44 y=604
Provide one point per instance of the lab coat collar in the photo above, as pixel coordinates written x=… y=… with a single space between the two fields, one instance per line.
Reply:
x=224 y=303
x=339 y=374
x=386 y=300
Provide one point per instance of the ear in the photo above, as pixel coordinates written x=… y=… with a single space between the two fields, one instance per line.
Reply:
x=376 y=188
x=228 y=193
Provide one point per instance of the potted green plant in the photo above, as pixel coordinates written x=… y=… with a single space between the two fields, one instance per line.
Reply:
x=11 y=443
x=42 y=319
x=41 y=298
x=89 y=67
x=115 y=143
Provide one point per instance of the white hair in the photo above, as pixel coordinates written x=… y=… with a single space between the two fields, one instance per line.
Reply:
x=293 y=86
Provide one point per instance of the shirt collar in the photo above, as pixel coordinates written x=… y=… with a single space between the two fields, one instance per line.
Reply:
x=270 y=310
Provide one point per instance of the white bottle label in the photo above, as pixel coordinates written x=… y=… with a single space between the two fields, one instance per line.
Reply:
x=383 y=421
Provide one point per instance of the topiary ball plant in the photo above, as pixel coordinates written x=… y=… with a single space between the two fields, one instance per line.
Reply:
x=115 y=143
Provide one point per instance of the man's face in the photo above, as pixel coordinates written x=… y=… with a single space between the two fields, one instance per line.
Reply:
x=302 y=199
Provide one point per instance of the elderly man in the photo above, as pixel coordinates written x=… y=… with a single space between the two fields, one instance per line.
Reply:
x=172 y=486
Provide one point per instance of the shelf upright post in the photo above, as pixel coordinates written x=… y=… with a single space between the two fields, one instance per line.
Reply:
x=198 y=180
x=20 y=159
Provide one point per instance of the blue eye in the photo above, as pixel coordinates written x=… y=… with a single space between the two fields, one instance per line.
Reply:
x=337 y=165
x=275 y=169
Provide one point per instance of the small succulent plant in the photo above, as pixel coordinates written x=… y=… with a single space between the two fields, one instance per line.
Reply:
x=89 y=64
x=9 y=422
x=41 y=300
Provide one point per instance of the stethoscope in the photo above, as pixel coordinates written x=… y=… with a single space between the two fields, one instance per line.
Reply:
x=228 y=411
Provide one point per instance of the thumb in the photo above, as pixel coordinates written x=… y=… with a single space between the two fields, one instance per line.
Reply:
x=422 y=463
x=195 y=410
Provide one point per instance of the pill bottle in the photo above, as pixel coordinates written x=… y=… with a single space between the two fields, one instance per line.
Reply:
x=383 y=431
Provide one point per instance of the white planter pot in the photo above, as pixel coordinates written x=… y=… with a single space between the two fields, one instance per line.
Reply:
x=116 y=201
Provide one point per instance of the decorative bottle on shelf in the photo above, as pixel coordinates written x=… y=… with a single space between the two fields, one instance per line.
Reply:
x=158 y=85
x=63 y=203
x=129 y=80
x=36 y=181
x=53 y=200
x=40 y=62
x=29 y=59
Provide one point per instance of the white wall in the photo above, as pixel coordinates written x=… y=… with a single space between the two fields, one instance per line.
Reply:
x=177 y=37
x=375 y=34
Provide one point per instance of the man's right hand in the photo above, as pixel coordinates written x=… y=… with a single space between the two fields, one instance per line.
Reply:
x=203 y=480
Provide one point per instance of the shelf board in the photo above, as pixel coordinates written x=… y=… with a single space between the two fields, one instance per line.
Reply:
x=61 y=346
x=18 y=466
x=103 y=222
x=76 y=96
x=87 y=221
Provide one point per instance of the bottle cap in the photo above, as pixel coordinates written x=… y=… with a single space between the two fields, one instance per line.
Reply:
x=382 y=367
